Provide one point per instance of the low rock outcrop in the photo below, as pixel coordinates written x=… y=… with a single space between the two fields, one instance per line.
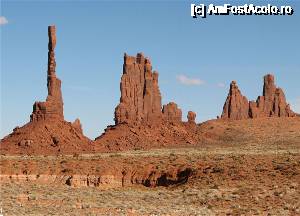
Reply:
x=271 y=104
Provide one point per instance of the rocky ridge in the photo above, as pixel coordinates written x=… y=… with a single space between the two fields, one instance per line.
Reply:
x=271 y=104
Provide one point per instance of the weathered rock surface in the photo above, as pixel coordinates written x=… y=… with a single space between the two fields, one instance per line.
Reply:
x=53 y=107
x=77 y=125
x=271 y=104
x=172 y=113
x=125 y=137
x=147 y=123
x=191 y=116
x=140 y=101
x=46 y=138
x=140 y=95
x=236 y=105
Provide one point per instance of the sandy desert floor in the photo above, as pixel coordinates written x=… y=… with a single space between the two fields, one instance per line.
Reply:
x=255 y=172
x=225 y=181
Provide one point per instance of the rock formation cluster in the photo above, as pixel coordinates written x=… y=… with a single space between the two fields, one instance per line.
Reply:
x=271 y=104
x=141 y=121
x=140 y=100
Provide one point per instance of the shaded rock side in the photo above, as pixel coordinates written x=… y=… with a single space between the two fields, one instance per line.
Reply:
x=52 y=108
x=140 y=95
x=236 y=106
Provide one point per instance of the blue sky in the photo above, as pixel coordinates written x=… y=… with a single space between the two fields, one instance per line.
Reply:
x=196 y=58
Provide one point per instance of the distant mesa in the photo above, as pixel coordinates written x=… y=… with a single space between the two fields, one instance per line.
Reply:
x=271 y=104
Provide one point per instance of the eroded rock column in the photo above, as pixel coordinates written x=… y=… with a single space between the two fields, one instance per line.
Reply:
x=53 y=107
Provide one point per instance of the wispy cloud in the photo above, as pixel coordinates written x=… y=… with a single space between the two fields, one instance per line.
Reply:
x=189 y=81
x=3 y=20
x=221 y=85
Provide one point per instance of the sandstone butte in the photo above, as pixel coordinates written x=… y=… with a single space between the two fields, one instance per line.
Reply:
x=271 y=104
x=48 y=132
x=141 y=121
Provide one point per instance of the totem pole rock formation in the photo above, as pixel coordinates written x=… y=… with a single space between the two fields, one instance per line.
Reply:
x=53 y=107
x=48 y=132
x=271 y=104
x=140 y=100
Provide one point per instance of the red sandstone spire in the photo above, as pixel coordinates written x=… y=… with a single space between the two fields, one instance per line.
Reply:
x=53 y=107
x=236 y=105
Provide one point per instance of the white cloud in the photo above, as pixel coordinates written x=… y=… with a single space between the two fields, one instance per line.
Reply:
x=221 y=85
x=189 y=81
x=3 y=20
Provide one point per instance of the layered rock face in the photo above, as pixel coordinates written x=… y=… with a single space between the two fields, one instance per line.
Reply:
x=271 y=104
x=53 y=107
x=236 y=105
x=140 y=100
